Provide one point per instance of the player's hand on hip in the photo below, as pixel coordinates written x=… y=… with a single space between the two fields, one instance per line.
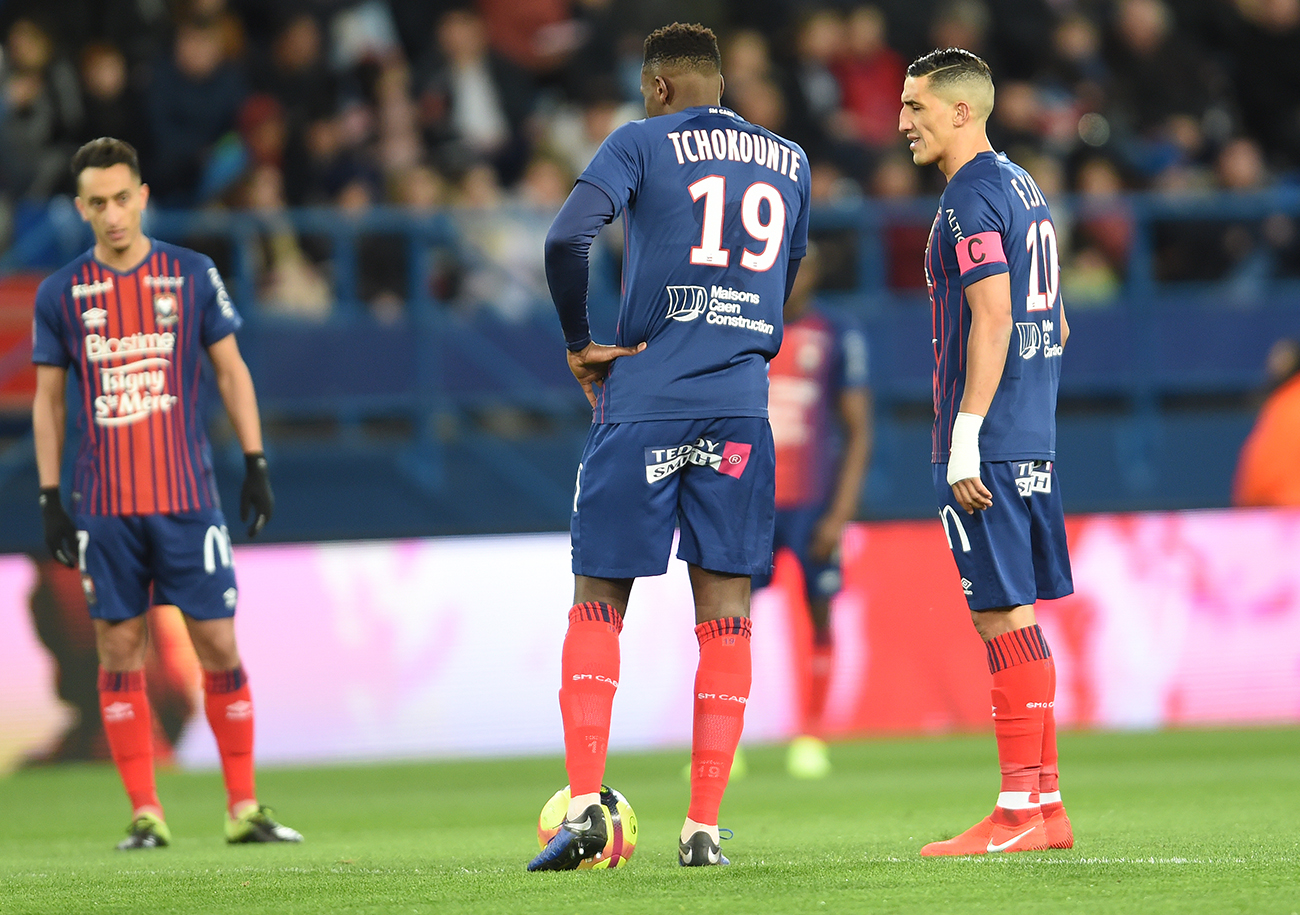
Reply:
x=964 y=464
x=591 y=364
x=256 y=501
x=60 y=531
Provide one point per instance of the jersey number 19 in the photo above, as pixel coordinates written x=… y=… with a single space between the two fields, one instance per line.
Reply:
x=710 y=253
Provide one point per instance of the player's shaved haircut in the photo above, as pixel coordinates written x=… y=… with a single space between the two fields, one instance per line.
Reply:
x=957 y=75
x=104 y=153
x=684 y=47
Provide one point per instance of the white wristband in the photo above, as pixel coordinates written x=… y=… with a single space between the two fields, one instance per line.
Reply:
x=964 y=454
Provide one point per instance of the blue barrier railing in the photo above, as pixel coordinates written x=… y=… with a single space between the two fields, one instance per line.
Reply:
x=444 y=359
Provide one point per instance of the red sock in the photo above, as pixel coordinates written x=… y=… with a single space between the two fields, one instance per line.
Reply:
x=124 y=706
x=1050 y=777
x=721 y=691
x=1019 y=663
x=589 y=678
x=819 y=683
x=229 y=705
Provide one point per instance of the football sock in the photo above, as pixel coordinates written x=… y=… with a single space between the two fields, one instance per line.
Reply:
x=1049 y=780
x=229 y=705
x=124 y=707
x=589 y=678
x=1019 y=662
x=690 y=828
x=721 y=690
x=819 y=682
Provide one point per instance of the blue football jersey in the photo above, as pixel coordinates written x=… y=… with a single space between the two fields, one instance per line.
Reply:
x=713 y=209
x=993 y=219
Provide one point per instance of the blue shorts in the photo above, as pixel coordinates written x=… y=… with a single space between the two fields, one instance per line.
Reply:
x=794 y=531
x=186 y=558
x=638 y=481
x=1014 y=552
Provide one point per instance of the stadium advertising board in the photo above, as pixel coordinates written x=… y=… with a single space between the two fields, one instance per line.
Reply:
x=451 y=647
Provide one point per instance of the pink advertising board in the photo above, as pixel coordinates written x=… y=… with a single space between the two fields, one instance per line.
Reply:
x=450 y=646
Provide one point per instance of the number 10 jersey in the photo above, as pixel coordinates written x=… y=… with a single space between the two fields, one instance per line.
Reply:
x=714 y=208
x=993 y=219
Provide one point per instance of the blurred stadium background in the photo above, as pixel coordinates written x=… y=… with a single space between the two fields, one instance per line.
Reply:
x=374 y=180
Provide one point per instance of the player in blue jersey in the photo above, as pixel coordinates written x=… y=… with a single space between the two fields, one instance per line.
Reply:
x=132 y=319
x=715 y=214
x=820 y=409
x=999 y=329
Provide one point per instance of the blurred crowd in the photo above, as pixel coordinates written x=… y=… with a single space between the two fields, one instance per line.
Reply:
x=489 y=109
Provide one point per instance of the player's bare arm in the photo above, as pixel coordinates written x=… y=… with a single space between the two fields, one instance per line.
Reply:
x=591 y=364
x=986 y=347
x=855 y=408
x=256 y=502
x=48 y=422
x=237 y=393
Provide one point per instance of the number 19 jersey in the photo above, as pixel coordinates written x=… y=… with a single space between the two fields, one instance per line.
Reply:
x=993 y=219
x=713 y=209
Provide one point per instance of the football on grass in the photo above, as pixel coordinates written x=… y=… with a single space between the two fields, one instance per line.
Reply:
x=620 y=827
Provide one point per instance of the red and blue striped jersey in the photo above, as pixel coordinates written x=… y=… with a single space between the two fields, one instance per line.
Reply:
x=819 y=358
x=993 y=219
x=134 y=342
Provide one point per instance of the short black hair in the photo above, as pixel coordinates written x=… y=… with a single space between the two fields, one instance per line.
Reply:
x=105 y=152
x=944 y=65
x=691 y=47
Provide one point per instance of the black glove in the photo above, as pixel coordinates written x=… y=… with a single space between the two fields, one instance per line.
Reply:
x=255 y=499
x=60 y=532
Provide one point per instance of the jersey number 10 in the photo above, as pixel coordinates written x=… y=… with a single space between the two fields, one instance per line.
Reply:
x=1042 y=292
x=710 y=253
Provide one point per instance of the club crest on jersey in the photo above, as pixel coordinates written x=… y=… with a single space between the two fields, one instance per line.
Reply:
x=164 y=309
x=1030 y=339
x=94 y=318
x=686 y=303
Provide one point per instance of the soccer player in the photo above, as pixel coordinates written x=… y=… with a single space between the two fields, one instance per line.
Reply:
x=820 y=409
x=132 y=317
x=999 y=328
x=715 y=213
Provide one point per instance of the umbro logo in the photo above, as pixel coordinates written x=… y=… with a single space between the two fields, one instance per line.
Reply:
x=966 y=587
x=239 y=710
x=119 y=711
x=94 y=318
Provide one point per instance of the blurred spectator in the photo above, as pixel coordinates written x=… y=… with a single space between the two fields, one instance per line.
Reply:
x=505 y=271
x=381 y=256
x=1267 y=63
x=870 y=75
x=1102 y=235
x=193 y=102
x=1016 y=126
x=1163 y=84
x=1243 y=253
x=112 y=108
x=473 y=102
x=40 y=113
x=536 y=35
x=575 y=132
x=897 y=179
x=1267 y=468
x=837 y=247
x=295 y=72
x=287 y=282
x=966 y=24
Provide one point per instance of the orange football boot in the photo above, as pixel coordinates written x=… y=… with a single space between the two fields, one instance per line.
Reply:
x=1060 y=834
x=1002 y=831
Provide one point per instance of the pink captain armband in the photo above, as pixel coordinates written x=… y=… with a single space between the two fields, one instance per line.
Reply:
x=979 y=250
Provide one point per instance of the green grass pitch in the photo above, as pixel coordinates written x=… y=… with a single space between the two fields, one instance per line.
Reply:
x=1177 y=822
